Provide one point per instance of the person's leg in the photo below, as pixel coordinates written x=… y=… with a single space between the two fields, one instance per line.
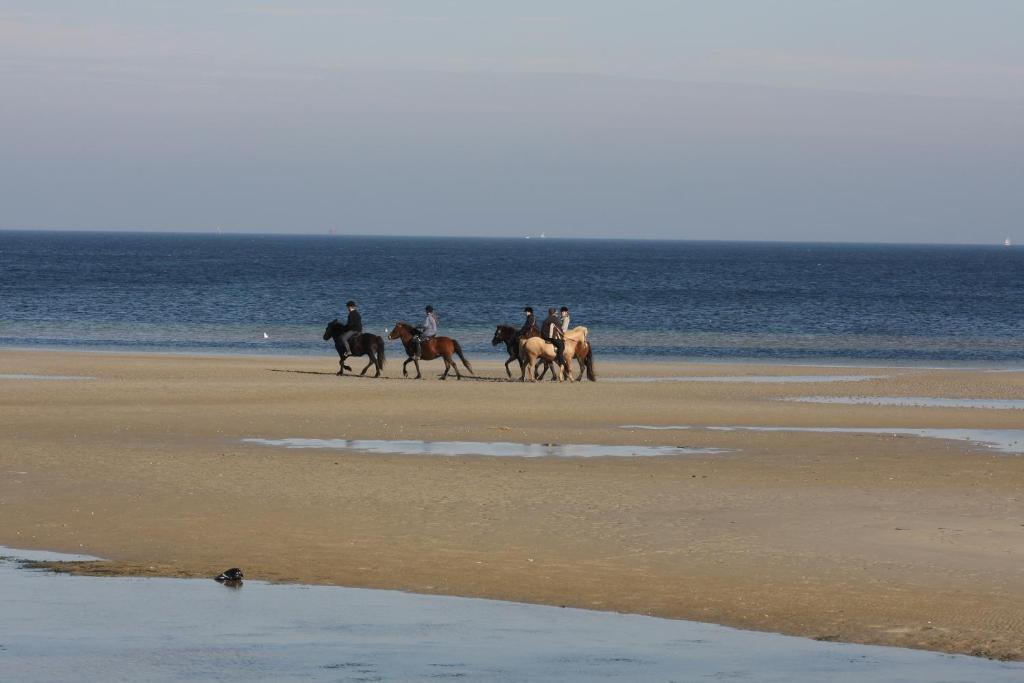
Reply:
x=560 y=353
x=418 y=343
x=345 y=336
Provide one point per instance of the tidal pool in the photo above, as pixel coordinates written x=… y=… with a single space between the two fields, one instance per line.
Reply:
x=1003 y=440
x=43 y=377
x=57 y=627
x=488 y=448
x=916 y=401
x=752 y=379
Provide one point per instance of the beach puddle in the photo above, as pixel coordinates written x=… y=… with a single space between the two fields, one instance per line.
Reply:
x=750 y=379
x=62 y=378
x=486 y=448
x=916 y=401
x=1002 y=440
x=58 y=627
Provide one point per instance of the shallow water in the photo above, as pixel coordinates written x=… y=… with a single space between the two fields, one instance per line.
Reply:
x=44 y=377
x=753 y=379
x=641 y=299
x=58 y=627
x=488 y=448
x=917 y=401
x=1002 y=440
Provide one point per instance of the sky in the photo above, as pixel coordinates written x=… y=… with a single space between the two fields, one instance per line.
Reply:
x=830 y=120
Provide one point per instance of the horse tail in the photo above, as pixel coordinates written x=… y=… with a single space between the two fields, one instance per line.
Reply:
x=589 y=363
x=380 y=352
x=458 y=350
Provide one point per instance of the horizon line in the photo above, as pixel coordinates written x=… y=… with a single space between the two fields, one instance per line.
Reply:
x=325 y=234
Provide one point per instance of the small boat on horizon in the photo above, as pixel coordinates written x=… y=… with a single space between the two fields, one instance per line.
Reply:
x=1006 y=242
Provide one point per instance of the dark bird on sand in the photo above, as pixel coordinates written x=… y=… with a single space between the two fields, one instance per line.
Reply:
x=233 y=574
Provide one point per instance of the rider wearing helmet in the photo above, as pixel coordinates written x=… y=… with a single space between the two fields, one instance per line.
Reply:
x=353 y=326
x=427 y=332
x=551 y=331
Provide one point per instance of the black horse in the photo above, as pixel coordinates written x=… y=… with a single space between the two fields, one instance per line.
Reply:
x=508 y=335
x=364 y=344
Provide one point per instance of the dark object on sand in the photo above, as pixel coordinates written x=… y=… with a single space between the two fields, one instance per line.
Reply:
x=230 y=575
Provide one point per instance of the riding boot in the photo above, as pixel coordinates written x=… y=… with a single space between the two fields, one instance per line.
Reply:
x=419 y=348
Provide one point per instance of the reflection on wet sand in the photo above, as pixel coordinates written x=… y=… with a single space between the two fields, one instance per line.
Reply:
x=488 y=448
x=1004 y=440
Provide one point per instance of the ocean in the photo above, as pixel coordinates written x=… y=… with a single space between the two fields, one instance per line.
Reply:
x=729 y=301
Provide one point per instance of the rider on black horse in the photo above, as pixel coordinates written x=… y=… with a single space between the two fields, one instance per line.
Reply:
x=353 y=326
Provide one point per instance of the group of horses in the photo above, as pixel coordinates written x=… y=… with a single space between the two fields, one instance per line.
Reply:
x=528 y=349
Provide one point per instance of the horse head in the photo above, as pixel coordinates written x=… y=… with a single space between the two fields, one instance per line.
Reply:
x=332 y=329
x=398 y=329
x=502 y=333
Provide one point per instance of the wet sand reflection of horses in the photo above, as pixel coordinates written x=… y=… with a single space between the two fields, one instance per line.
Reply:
x=438 y=347
x=530 y=350
x=364 y=344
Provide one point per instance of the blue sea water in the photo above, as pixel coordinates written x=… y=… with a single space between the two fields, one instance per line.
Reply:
x=696 y=300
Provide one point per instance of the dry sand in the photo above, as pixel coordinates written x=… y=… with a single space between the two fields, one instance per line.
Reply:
x=857 y=537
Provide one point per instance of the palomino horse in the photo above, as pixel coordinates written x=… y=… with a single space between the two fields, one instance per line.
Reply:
x=364 y=344
x=584 y=356
x=509 y=336
x=532 y=349
x=438 y=347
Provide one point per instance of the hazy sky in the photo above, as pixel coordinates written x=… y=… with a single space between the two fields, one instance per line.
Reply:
x=852 y=120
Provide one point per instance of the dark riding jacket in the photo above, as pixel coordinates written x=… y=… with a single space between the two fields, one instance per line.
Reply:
x=551 y=329
x=354 y=322
x=530 y=323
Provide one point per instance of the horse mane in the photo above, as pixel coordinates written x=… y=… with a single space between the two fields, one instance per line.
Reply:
x=578 y=333
x=507 y=328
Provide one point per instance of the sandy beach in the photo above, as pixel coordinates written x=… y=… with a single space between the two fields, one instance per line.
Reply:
x=862 y=537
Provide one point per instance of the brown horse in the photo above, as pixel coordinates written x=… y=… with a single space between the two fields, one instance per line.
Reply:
x=438 y=347
x=509 y=335
x=532 y=349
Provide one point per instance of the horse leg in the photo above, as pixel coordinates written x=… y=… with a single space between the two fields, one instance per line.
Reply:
x=416 y=362
x=370 y=362
x=455 y=366
x=405 y=373
x=341 y=368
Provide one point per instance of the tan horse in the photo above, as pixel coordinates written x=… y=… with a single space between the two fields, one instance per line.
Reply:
x=533 y=348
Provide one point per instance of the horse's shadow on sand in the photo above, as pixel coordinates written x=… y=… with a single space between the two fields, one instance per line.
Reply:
x=465 y=378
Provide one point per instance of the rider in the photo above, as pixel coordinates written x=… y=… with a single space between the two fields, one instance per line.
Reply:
x=427 y=332
x=552 y=333
x=353 y=326
x=529 y=324
x=563 y=318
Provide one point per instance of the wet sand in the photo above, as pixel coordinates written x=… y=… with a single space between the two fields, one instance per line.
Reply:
x=868 y=538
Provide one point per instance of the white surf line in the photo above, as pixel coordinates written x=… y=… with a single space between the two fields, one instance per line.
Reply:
x=916 y=401
x=754 y=379
x=1003 y=440
x=43 y=377
x=485 y=448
